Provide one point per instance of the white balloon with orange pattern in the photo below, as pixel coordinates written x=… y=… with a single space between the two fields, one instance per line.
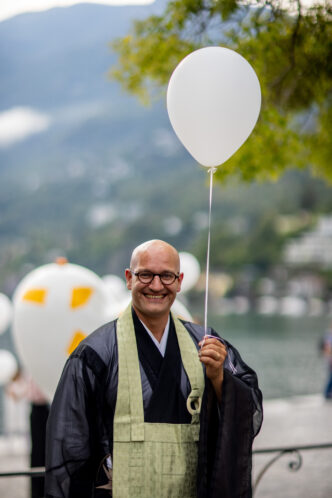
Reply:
x=54 y=307
x=6 y=311
x=8 y=366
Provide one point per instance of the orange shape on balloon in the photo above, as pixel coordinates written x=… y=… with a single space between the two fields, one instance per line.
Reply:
x=37 y=296
x=80 y=296
x=76 y=339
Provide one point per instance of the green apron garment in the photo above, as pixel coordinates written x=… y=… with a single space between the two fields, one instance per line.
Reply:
x=153 y=460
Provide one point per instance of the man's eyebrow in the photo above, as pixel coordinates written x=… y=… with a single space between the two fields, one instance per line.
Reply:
x=150 y=271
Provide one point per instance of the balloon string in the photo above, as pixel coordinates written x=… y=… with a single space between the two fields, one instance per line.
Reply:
x=211 y=171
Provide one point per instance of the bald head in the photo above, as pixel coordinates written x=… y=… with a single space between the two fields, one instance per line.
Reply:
x=152 y=301
x=156 y=247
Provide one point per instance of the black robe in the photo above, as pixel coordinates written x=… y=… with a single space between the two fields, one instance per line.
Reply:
x=80 y=425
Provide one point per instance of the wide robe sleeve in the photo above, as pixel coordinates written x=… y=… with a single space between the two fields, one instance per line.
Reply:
x=76 y=439
x=227 y=432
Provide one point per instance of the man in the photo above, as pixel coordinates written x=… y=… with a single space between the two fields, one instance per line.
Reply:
x=327 y=352
x=146 y=407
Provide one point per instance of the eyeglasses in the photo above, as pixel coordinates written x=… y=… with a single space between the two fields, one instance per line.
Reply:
x=146 y=277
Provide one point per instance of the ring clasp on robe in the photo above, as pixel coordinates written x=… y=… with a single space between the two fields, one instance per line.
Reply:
x=194 y=402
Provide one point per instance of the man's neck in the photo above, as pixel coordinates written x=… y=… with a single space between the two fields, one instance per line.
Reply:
x=156 y=324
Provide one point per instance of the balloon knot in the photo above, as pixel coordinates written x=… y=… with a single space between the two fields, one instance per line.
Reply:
x=212 y=170
x=61 y=260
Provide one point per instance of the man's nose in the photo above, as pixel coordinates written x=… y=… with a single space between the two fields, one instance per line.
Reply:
x=156 y=283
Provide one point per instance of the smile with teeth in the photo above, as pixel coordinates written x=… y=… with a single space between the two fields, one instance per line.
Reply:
x=154 y=296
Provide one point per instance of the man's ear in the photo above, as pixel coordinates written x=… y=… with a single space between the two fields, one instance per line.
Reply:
x=179 y=282
x=129 y=278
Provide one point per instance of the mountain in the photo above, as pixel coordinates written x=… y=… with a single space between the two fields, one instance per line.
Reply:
x=101 y=158
x=93 y=172
x=61 y=56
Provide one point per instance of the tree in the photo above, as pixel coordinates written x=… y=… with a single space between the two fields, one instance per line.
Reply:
x=291 y=52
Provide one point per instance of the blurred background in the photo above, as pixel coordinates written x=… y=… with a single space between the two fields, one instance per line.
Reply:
x=90 y=166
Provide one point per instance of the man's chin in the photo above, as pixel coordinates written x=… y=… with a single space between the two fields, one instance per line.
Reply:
x=155 y=307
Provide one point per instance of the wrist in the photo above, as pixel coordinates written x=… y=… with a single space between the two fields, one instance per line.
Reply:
x=217 y=383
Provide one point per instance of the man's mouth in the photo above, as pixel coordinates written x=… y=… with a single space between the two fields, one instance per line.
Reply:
x=154 y=296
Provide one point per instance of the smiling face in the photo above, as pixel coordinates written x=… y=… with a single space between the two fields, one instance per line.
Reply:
x=153 y=300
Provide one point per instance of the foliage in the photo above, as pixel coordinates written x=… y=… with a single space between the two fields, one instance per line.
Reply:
x=291 y=51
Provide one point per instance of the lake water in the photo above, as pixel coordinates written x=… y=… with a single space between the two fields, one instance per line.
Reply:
x=283 y=350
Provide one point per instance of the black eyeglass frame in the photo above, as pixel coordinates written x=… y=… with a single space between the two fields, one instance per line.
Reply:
x=160 y=275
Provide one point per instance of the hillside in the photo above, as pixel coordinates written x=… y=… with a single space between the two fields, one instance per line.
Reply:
x=107 y=173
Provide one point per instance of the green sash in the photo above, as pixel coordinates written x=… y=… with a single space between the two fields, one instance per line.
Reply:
x=153 y=460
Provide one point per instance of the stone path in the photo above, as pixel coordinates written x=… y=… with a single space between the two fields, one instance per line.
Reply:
x=297 y=421
x=14 y=456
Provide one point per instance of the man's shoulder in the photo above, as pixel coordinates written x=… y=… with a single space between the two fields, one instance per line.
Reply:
x=195 y=330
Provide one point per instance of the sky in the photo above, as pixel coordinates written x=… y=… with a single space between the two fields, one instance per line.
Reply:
x=11 y=8
x=19 y=123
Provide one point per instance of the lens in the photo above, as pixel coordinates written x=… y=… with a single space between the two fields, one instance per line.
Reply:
x=167 y=277
x=145 y=277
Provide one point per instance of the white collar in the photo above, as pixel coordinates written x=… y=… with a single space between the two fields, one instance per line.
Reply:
x=163 y=342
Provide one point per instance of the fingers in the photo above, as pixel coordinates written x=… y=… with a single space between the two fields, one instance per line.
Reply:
x=211 y=339
x=212 y=352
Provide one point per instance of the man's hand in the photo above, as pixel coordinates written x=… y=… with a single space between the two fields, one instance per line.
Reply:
x=213 y=354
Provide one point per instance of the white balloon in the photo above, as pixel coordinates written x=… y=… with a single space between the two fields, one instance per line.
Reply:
x=115 y=307
x=55 y=306
x=118 y=296
x=8 y=366
x=6 y=310
x=191 y=269
x=213 y=102
x=116 y=286
x=180 y=310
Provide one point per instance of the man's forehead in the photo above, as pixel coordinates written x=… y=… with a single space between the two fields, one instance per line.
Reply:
x=155 y=253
